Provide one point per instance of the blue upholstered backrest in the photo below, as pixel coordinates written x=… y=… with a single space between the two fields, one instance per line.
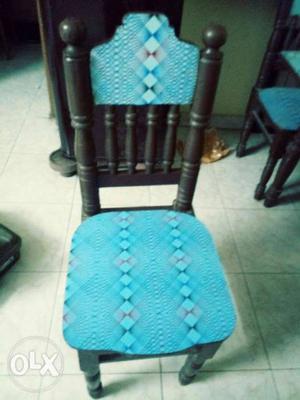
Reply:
x=144 y=63
x=295 y=8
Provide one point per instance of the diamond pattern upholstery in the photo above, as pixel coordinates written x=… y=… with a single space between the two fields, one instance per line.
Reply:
x=144 y=63
x=283 y=106
x=146 y=283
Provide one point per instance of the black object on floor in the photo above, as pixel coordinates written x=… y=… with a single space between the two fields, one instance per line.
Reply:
x=10 y=245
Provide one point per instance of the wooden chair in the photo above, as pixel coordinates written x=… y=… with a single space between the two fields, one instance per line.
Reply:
x=142 y=282
x=285 y=36
x=281 y=107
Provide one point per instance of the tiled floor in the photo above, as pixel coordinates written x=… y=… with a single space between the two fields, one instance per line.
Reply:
x=259 y=248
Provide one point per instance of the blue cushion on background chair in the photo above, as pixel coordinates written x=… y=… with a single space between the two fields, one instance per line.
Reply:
x=283 y=106
x=293 y=58
x=295 y=10
x=145 y=282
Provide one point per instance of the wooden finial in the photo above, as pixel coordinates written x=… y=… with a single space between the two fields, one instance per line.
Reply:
x=72 y=31
x=214 y=36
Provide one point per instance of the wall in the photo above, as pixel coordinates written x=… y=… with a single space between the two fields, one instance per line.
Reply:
x=249 y=24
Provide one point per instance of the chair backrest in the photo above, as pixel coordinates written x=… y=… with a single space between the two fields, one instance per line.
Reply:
x=143 y=65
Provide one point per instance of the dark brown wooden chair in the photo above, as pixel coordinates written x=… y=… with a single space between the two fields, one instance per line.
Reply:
x=285 y=36
x=142 y=283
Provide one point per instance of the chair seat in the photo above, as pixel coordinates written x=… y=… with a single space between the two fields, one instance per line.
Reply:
x=293 y=59
x=282 y=106
x=145 y=283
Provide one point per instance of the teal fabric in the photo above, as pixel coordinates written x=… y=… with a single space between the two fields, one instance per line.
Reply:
x=282 y=106
x=146 y=283
x=295 y=8
x=293 y=58
x=144 y=63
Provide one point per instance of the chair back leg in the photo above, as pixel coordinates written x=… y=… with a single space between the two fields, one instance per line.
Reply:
x=276 y=151
x=287 y=165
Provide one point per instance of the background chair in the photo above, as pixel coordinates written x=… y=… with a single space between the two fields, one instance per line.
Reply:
x=282 y=108
x=142 y=283
x=273 y=105
x=285 y=36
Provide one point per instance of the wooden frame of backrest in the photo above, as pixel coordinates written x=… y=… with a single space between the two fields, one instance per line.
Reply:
x=80 y=101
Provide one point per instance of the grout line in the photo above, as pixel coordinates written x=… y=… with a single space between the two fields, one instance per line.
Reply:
x=161 y=384
x=219 y=371
x=60 y=274
x=32 y=98
x=253 y=307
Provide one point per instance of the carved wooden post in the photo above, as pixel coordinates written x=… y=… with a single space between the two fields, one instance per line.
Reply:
x=77 y=76
x=209 y=69
x=151 y=140
x=131 y=146
x=170 y=140
x=111 y=143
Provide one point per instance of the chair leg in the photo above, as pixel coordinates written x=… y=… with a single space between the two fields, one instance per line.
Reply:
x=287 y=165
x=188 y=372
x=276 y=151
x=195 y=361
x=246 y=132
x=89 y=364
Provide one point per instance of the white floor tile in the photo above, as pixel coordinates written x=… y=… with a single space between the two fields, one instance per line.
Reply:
x=3 y=160
x=9 y=131
x=121 y=386
x=276 y=300
x=256 y=385
x=17 y=389
x=288 y=384
x=28 y=178
x=267 y=240
x=37 y=136
x=26 y=307
x=217 y=223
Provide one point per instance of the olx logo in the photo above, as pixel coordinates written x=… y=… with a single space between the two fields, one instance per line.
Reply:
x=36 y=357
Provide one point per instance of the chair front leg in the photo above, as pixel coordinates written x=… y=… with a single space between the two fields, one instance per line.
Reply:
x=248 y=127
x=195 y=361
x=287 y=165
x=276 y=151
x=89 y=364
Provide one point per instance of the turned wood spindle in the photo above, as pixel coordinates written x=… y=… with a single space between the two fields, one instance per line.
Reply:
x=111 y=141
x=209 y=69
x=150 y=146
x=130 y=144
x=170 y=140
x=80 y=101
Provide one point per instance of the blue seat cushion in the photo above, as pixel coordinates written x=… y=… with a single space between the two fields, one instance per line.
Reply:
x=145 y=283
x=293 y=59
x=282 y=106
